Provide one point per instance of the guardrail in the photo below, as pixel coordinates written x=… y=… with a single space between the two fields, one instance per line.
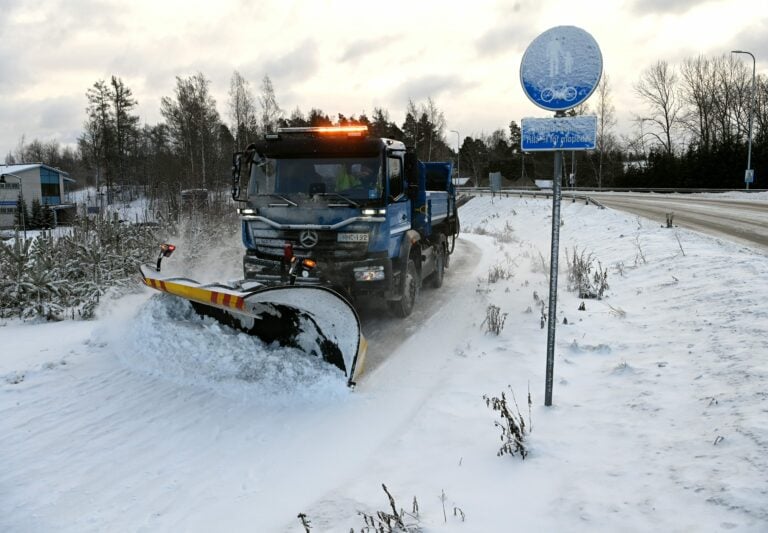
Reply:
x=660 y=190
x=535 y=193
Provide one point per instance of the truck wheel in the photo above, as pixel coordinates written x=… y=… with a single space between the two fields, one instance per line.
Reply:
x=437 y=277
x=404 y=306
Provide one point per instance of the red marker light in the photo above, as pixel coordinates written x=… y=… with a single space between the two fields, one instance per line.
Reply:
x=167 y=249
x=287 y=251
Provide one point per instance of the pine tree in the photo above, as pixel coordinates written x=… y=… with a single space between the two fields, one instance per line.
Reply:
x=15 y=264
x=47 y=217
x=36 y=218
x=125 y=126
x=21 y=218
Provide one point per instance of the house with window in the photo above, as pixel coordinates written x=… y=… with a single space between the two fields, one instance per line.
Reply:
x=34 y=181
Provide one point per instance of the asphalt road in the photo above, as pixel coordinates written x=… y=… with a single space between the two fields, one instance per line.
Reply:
x=744 y=221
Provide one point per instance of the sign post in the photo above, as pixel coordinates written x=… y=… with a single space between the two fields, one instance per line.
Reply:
x=559 y=70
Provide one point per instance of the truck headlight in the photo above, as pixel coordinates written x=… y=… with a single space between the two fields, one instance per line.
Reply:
x=250 y=269
x=372 y=273
x=369 y=212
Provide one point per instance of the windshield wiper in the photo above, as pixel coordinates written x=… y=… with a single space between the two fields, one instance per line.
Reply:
x=337 y=195
x=283 y=198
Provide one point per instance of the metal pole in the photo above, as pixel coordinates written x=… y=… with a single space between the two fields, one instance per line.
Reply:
x=751 y=110
x=23 y=209
x=553 y=266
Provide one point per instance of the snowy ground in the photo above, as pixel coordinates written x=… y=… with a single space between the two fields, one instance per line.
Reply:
x=149 y=420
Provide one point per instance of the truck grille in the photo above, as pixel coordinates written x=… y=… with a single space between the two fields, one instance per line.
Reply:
x=271 y=242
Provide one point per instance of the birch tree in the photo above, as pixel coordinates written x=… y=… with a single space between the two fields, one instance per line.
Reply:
x=193 y=126
x=606 y=120
x=270 y=110
x=242 y=111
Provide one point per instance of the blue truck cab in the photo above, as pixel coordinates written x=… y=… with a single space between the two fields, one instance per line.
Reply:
x=363 y=211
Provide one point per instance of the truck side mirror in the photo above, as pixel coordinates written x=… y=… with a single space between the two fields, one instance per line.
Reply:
x=237 y=158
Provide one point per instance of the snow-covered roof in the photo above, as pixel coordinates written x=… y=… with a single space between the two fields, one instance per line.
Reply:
x=13 y=169
x=16 y=168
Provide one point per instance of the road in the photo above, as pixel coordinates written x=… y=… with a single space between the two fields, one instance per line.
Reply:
x=385 y=333
x=744 y=221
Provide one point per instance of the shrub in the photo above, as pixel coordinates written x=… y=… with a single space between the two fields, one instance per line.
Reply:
x=582 y=279
x=512 y=425
x=494 y=319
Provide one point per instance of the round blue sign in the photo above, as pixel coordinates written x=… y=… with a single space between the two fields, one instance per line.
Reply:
x=561 y=68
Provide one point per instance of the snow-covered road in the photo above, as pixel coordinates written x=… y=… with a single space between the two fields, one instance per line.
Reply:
x=742 y=218
x=149 y=420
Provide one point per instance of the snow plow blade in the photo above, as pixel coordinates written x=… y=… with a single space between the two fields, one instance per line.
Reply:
x=316 y=320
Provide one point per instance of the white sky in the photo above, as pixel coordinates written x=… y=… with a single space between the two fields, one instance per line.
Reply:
x=339 y=56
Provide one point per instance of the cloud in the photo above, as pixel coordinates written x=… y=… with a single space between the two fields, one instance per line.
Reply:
x=662 y=7
x=362 y=47
x=58 y=118
x=752 y=39
x=298 y=65
x=501 y=39
x=430 y=86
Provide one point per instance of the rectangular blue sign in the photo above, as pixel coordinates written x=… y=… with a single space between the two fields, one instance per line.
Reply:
x=563 y=133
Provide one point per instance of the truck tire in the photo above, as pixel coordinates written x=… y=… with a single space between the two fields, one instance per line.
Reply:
x=436 y=279
x=410 y=292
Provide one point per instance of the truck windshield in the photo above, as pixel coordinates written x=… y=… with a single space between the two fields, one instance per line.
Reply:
x=356 y=178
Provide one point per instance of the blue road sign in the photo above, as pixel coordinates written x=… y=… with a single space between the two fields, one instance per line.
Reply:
x=561 y=133
x=561 y=68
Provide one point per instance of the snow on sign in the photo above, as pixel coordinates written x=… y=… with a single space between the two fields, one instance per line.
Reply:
x=560 y=133
x=561 y=68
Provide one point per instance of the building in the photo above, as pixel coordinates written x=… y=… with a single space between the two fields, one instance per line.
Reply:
x=34 y=181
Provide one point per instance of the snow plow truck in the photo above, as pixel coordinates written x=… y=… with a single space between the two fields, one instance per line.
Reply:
x=328 y=215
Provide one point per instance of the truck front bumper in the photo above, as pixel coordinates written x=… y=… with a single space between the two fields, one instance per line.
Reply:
x=372 y=275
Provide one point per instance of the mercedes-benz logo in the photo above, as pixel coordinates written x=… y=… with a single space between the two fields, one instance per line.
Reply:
x=308 y=238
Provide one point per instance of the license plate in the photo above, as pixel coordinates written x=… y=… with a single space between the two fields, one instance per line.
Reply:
x=352 y=237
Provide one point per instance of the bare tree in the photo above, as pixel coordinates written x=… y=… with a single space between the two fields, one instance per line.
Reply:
x=699 y=91
x=242 y=111
x=193 y=127
x=761 y=109
x=270 y=110
x=437 y=121
x=735 y=83
x=606 y=120
x=658 y=88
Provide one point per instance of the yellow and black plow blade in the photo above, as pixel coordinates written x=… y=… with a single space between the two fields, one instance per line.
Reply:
x=316 y=320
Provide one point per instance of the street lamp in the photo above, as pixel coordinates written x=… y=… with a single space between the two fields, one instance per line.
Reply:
x=21 y=193
x=747 y=175
x=458 y=160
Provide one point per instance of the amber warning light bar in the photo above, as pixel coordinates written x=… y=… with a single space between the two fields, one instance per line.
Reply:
x=349 y=131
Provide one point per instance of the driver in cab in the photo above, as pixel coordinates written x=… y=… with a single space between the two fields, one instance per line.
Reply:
x=361 y=176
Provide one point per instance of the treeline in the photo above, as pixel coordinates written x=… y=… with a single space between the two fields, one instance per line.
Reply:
x=192 y=147
x=697 y=124
x=691 y=131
